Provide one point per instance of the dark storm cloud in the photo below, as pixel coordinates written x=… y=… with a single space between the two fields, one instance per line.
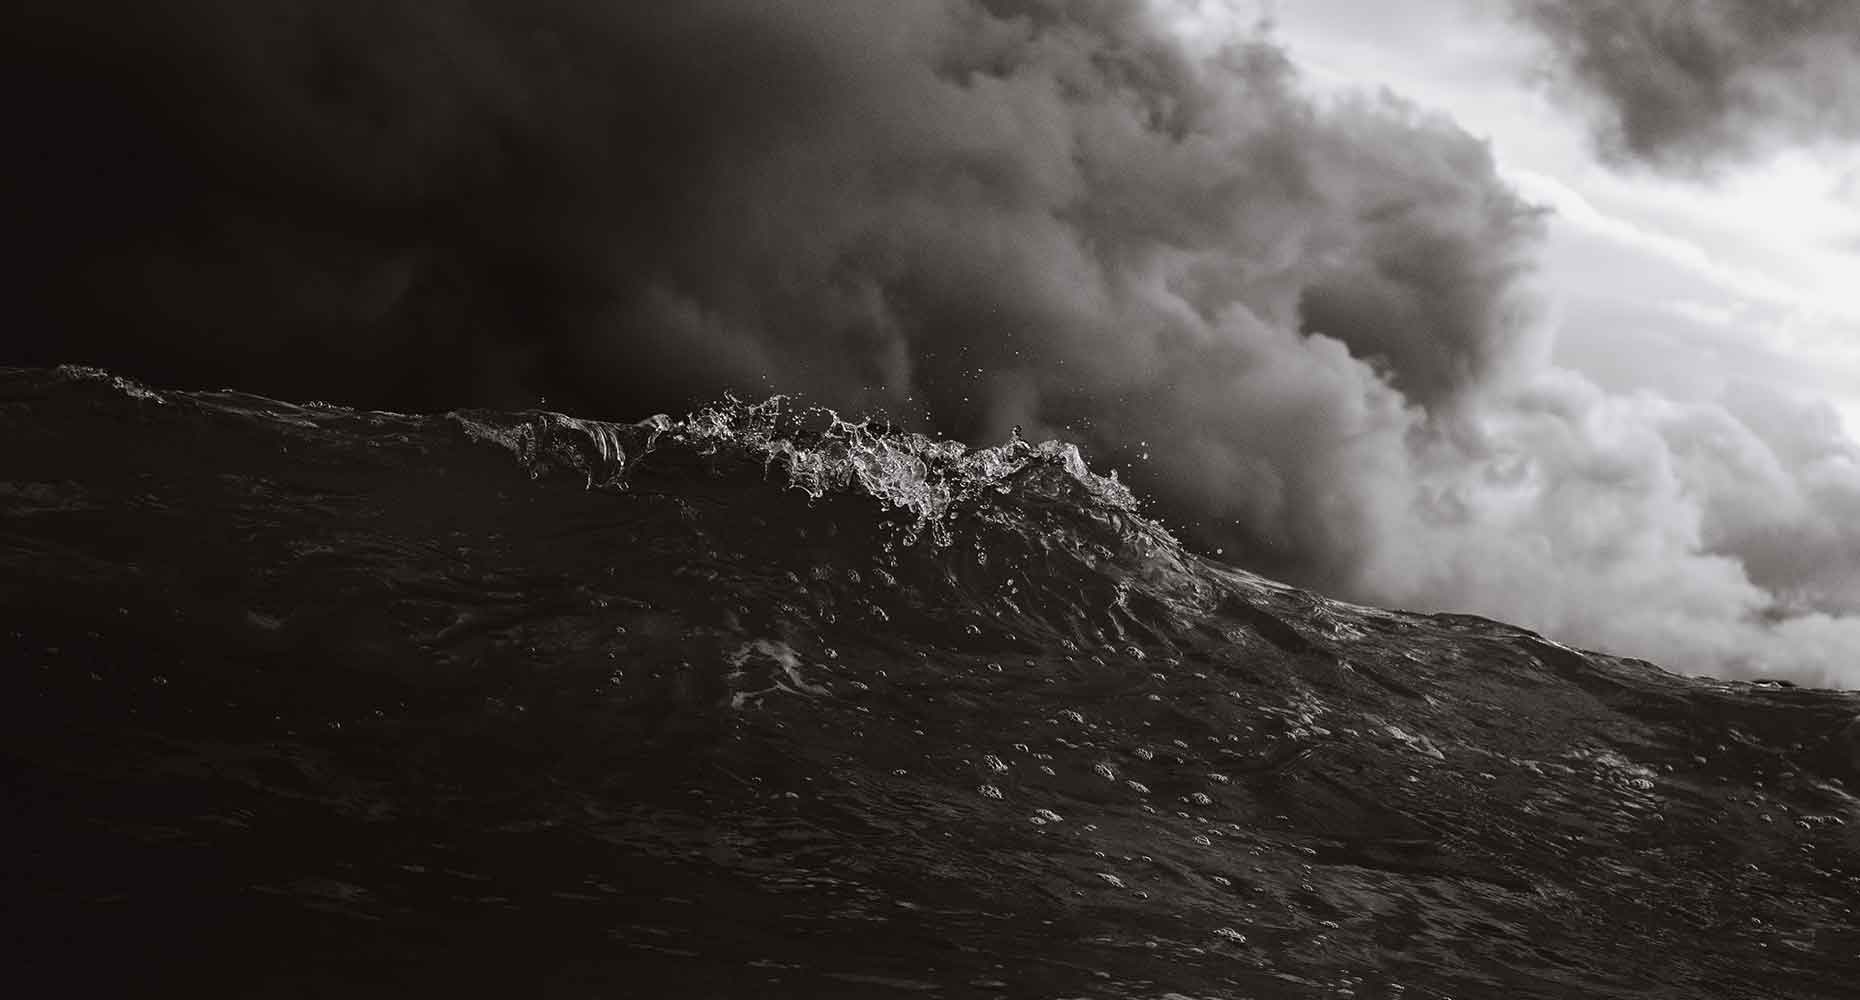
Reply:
x=1303 y=328
x=836 y=195
x=1687 y=85
x=981 y=213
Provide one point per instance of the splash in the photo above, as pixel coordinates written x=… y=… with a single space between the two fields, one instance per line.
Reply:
x=811 y=449
x=922 y=477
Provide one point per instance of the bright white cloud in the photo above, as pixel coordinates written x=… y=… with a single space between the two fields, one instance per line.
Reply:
x=1682 y=481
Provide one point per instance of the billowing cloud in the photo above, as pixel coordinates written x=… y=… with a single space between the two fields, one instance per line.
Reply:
x=1305 y=328
x=1687 y=86
x=1719 y=535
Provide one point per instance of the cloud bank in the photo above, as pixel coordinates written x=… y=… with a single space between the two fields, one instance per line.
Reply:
x=1305 y=328
x=1688 y=86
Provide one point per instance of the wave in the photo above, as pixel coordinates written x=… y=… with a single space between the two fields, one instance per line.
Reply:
x=832 y=672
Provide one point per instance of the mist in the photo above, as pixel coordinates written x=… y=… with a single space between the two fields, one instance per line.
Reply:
x=1306 y=329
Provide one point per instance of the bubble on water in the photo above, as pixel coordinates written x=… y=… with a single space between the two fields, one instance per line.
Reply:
x=1230 y=934
x=1222 y=881
x=1137 y=786
x=1047 y=770
x=995 y=764
x=1203 y=840
x=989 y=792
x=1047 y=815
x=1072 y=716
x=1144 y=753
x=1105 y=771
x=1200 y=799
x=1113 y=880
x=1219 y=779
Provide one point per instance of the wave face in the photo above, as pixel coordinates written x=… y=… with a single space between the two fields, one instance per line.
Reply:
x=765 y=702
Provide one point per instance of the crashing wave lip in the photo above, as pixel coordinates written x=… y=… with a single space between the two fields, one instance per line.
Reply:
x=16 y=383
x=544 y=442
x=927 y=479
x=128 y=387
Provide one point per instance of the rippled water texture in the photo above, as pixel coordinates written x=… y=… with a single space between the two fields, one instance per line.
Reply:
x=763 y=703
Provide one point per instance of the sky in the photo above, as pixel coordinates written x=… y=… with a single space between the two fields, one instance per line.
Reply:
x=1673 y=281
x=1536 y=309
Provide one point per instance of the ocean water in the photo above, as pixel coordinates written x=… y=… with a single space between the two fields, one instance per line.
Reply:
x=762 y=702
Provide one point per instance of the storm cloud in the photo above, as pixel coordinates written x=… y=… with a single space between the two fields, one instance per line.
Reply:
x=1688 y=86
x=1304 y=328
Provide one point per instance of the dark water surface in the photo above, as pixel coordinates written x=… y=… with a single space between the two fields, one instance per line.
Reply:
x=301 y=701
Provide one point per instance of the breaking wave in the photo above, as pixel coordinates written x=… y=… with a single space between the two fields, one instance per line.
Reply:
x=437 y=691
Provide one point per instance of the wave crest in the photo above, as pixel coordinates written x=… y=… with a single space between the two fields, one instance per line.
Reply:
x=812 y=449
